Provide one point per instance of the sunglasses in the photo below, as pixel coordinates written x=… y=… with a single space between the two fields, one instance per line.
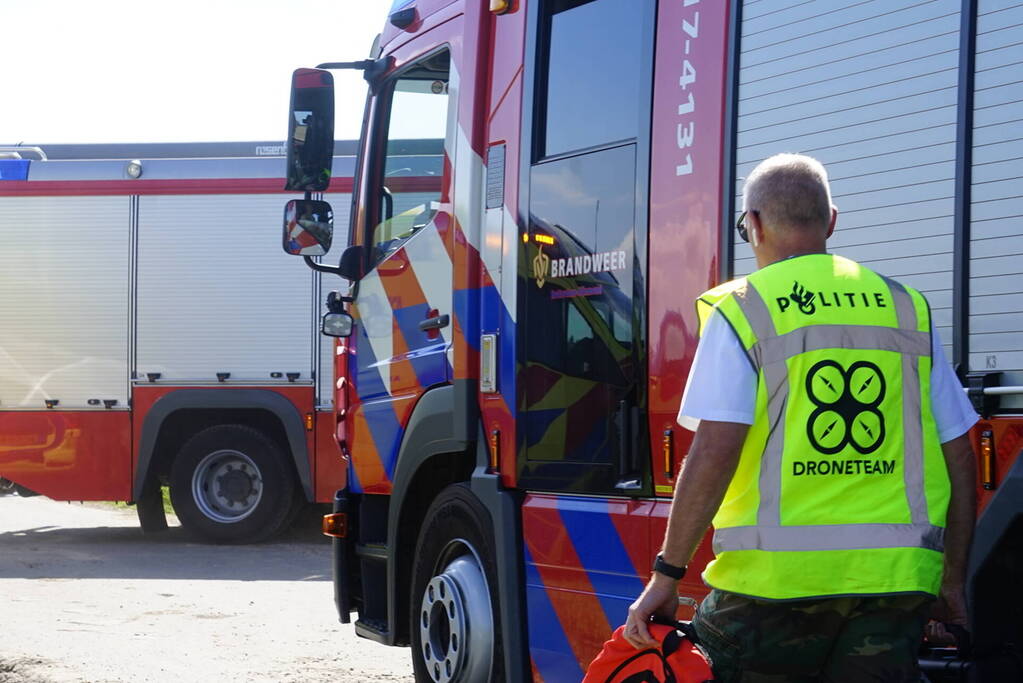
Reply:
x=740 y=224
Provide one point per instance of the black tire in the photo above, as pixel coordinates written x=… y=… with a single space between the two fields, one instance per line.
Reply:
x=232 y=484
x=455 y=623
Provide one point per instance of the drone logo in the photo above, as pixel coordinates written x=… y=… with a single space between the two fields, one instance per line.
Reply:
x=846 y=401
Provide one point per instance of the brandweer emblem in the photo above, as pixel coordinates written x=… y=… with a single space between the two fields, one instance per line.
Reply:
x=541 y=264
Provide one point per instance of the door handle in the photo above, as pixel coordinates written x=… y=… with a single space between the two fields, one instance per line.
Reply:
x=435 y=323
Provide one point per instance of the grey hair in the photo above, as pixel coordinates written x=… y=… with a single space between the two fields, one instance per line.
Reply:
x=790 y=190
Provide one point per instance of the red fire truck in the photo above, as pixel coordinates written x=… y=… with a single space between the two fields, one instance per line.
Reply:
x=148 y=337
x=514 y=346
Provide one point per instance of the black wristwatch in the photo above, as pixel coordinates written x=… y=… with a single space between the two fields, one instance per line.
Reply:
x=668 y=570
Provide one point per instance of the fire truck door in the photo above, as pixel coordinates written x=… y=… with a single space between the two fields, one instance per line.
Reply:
x=403 y=307
x=585 y=253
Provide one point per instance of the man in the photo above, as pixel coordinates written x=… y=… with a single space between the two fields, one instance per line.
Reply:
x=831 y=451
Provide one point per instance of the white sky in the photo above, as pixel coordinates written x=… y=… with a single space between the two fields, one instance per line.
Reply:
x=79 y=71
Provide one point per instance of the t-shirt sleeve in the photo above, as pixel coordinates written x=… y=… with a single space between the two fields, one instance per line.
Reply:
x=952 y=410
x=722 y=385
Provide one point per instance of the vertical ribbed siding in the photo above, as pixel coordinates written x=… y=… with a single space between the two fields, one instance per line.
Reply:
x=216 y=293
x=63 y=301
x=342 y=205
x=869 y=89
x=996 y=238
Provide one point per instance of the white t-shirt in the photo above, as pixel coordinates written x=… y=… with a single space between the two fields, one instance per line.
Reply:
x=722 y=385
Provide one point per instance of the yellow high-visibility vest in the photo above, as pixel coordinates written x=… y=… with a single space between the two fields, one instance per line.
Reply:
x=841 y=487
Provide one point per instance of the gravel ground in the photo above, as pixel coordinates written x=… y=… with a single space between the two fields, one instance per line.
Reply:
x=86 y=597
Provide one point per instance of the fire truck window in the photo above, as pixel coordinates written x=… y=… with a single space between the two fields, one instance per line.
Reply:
x=593 y=65
x=412 y=168
x=582 y=295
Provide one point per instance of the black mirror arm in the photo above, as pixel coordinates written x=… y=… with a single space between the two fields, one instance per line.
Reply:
x=372 y=69
x=319 y=267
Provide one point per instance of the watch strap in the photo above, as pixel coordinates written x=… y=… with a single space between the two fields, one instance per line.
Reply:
x=669 y=570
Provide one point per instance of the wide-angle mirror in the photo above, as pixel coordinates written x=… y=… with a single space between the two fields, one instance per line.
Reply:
x=308 y=227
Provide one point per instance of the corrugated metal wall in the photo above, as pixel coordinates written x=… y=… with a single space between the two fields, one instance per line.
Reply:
x=869 y=89
x=216 y=293
x=63 y=301
x=342 y=205
x=996 y=244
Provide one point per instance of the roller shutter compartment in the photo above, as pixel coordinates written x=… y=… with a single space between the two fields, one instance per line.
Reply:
x=216 y=293
x=64 y=288
x=342 y=205
x=869 y=89
x=996 y=209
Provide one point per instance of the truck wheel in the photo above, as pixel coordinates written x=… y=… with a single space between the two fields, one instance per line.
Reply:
x=455 y=627
x=232 y=484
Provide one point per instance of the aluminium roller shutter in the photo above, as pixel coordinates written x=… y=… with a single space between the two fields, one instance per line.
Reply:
x=342 y=205
x=64 y=301
x=996 y=211
x=869 y=88
x=216 y=293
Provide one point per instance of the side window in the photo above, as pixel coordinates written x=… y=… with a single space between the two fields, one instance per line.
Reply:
x=593 y=64
x=410 y=180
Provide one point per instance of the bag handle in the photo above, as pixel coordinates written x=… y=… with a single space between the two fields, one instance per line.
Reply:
x=674 y=641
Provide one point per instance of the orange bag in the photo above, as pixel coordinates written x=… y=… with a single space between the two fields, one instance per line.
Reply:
x=679 y=659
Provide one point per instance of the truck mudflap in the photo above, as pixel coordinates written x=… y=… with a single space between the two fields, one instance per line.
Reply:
x=341 y=555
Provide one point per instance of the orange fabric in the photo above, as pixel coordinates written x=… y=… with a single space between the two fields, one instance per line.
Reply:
x=678 y=660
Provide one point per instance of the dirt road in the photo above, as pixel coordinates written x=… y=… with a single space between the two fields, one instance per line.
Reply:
x=85 y=597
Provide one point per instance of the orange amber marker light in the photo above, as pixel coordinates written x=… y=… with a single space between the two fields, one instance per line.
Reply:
x=309 y=422
x=335 y=525
x=500 y=6
x=495 y=449
x=987 y=459
x=668 y=448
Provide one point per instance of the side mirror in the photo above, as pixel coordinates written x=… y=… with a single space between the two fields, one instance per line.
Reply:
x=337 y=324
x=310 y=131
x=351 y=263
x=308 y=227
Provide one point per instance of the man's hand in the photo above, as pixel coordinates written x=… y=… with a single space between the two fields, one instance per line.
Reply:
x=949 y=609
x=705 y=475
x=660 y=597
x=951 y=606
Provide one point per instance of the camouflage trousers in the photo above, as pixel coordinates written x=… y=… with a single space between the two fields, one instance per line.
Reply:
x=853 y=639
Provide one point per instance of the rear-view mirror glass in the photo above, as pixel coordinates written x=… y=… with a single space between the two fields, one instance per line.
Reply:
x=310 y=131
x=308 y=227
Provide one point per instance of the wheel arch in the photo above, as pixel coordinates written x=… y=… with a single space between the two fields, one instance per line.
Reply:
x=429 y=459
x=201 y=408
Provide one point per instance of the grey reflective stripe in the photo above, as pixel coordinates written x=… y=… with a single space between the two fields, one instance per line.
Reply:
x=755 y=309
x=905 y=311
x=912 y=415
x=913 y=439
x=829 y=537
x=769 y=350
x=776 y=384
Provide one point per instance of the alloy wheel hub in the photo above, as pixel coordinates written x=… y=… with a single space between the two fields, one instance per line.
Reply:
x=456 y=623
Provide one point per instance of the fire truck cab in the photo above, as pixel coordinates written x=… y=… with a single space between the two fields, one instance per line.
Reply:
x=516 y=318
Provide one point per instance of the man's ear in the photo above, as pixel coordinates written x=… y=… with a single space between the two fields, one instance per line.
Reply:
x=755 y=229
x=831 y=223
